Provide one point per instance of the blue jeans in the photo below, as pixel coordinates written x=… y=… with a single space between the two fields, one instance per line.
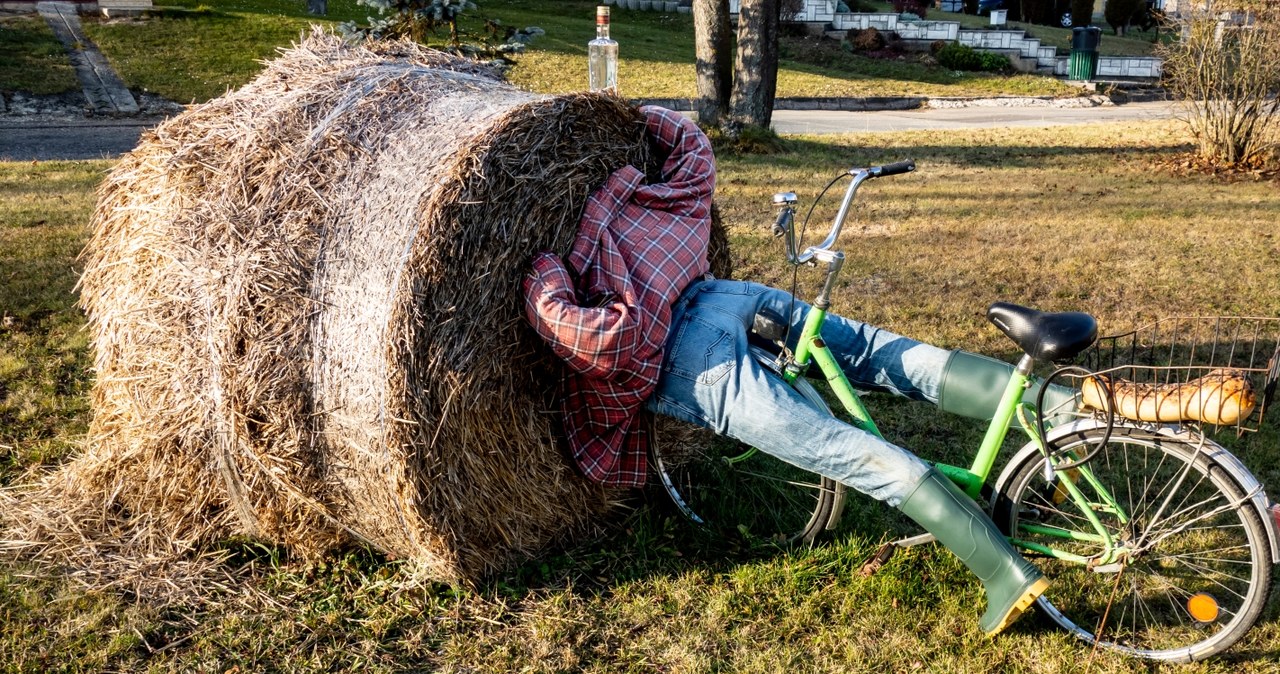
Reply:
x=709 y=378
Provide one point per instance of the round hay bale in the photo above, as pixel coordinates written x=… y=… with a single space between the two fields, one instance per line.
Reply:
x=305 y=302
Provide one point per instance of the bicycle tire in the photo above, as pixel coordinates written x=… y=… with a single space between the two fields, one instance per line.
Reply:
x=1199 y=572
x=760 y=497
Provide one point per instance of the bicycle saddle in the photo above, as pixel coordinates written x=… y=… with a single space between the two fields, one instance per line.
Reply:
x=1043 y=335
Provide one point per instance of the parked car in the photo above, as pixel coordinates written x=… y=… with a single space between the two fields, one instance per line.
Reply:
x=1061 y=15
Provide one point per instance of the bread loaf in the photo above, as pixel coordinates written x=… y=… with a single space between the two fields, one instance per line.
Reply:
x=1222 y=396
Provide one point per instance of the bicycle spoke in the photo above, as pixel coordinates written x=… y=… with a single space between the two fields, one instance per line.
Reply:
x=1183 y=539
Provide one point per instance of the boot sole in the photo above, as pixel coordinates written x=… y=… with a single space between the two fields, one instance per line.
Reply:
x=1024 y=602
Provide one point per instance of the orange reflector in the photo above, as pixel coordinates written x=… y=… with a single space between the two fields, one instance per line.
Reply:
x=1202 y=607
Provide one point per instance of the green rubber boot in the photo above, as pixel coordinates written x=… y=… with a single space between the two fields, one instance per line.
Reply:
x=972 y=386
x=1011 y=582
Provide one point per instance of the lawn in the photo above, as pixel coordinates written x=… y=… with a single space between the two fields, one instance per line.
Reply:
x=31 y=58
x=1064 y=218
x=195 y=50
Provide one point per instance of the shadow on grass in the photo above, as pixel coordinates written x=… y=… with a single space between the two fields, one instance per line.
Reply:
x=807 y=152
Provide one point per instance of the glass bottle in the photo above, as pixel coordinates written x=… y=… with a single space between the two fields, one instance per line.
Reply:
x=602 y=56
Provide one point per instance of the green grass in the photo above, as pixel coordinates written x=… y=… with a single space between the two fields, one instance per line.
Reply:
x=193 y=51
x=32 y=59
x=1064 y=218
x=44 y=361
x=657 y=61
x=197 y=50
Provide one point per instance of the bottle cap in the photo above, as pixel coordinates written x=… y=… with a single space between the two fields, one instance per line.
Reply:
x=602 y=14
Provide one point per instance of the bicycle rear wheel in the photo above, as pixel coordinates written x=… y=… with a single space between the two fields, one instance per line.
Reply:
x=733 y=489
x=1192 y=570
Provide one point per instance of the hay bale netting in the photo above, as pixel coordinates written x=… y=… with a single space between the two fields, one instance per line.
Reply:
x=305 y=300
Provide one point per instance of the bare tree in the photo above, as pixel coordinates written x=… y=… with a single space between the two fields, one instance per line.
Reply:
x=755 y=70
x=735 y=93
x=713 y=46
x=1228 y=75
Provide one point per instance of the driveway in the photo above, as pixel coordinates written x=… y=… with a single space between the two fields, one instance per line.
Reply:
x=66 y=138
x=973 y=117
x=47 y=137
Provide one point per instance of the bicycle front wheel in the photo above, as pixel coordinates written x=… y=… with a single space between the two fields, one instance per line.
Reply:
x=1189 y=568
x=737 y=490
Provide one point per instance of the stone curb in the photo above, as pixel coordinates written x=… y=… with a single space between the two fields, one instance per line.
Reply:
x=24 y=105
x=889 y=103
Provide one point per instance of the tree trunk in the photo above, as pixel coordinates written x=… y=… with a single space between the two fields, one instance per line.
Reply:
x=714 y=52
x=755 y=70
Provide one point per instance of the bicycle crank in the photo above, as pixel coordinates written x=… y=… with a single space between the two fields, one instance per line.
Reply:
x=885 y=552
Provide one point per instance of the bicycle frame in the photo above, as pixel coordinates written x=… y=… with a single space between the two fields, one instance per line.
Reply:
x=810 y=349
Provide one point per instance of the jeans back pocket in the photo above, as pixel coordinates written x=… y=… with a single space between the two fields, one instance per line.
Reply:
x=702 y=351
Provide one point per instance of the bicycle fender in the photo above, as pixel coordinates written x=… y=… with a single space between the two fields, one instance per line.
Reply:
x=1214 y=452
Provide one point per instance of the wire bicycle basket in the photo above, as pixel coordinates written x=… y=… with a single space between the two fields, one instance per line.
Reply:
x=1217 y=371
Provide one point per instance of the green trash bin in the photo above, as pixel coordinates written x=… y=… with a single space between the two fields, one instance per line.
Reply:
x=1084 y=53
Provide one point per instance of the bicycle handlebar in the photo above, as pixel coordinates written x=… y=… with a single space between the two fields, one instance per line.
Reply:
x=787 y=200
x=893 y=169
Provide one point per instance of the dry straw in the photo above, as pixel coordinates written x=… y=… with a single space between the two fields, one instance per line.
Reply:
x=305 y=302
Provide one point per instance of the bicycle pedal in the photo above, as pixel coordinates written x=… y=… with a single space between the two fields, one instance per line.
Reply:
x=878 y=560
x=886 y=550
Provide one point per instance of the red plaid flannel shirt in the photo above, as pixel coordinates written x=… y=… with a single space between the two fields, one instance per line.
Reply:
x=638 y=247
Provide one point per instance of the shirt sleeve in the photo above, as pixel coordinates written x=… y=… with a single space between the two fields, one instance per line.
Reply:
x=595 y=341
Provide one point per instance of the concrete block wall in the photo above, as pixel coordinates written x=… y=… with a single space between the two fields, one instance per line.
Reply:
x=1010 y=40
x=1129 y=66
x=816 y=10
x=863 y=21
x=1005 y=41
x=928 y=30
x=1047 y=57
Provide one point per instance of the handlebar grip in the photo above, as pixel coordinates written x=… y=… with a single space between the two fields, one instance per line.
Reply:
x=895 y=168
x=783 y=223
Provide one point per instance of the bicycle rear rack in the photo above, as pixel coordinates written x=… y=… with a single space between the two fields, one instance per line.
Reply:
x=1180 y=349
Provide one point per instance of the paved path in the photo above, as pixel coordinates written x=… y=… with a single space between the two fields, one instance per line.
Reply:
x=52 y=137
x=43 y=138
x=821 y=122
x=106 y=94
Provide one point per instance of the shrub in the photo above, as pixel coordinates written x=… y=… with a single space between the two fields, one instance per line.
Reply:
x=1229 y=77
x=957 y=56
x=1033 y=11
x=994 y=63
x=1081 y=12
x=937 y=46
x=863 y=40
x=892 y=48
x=789 y=9
x=1119 y=13
x=917 y=7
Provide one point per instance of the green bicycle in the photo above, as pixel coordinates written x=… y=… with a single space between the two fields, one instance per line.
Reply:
x=1158 y=542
